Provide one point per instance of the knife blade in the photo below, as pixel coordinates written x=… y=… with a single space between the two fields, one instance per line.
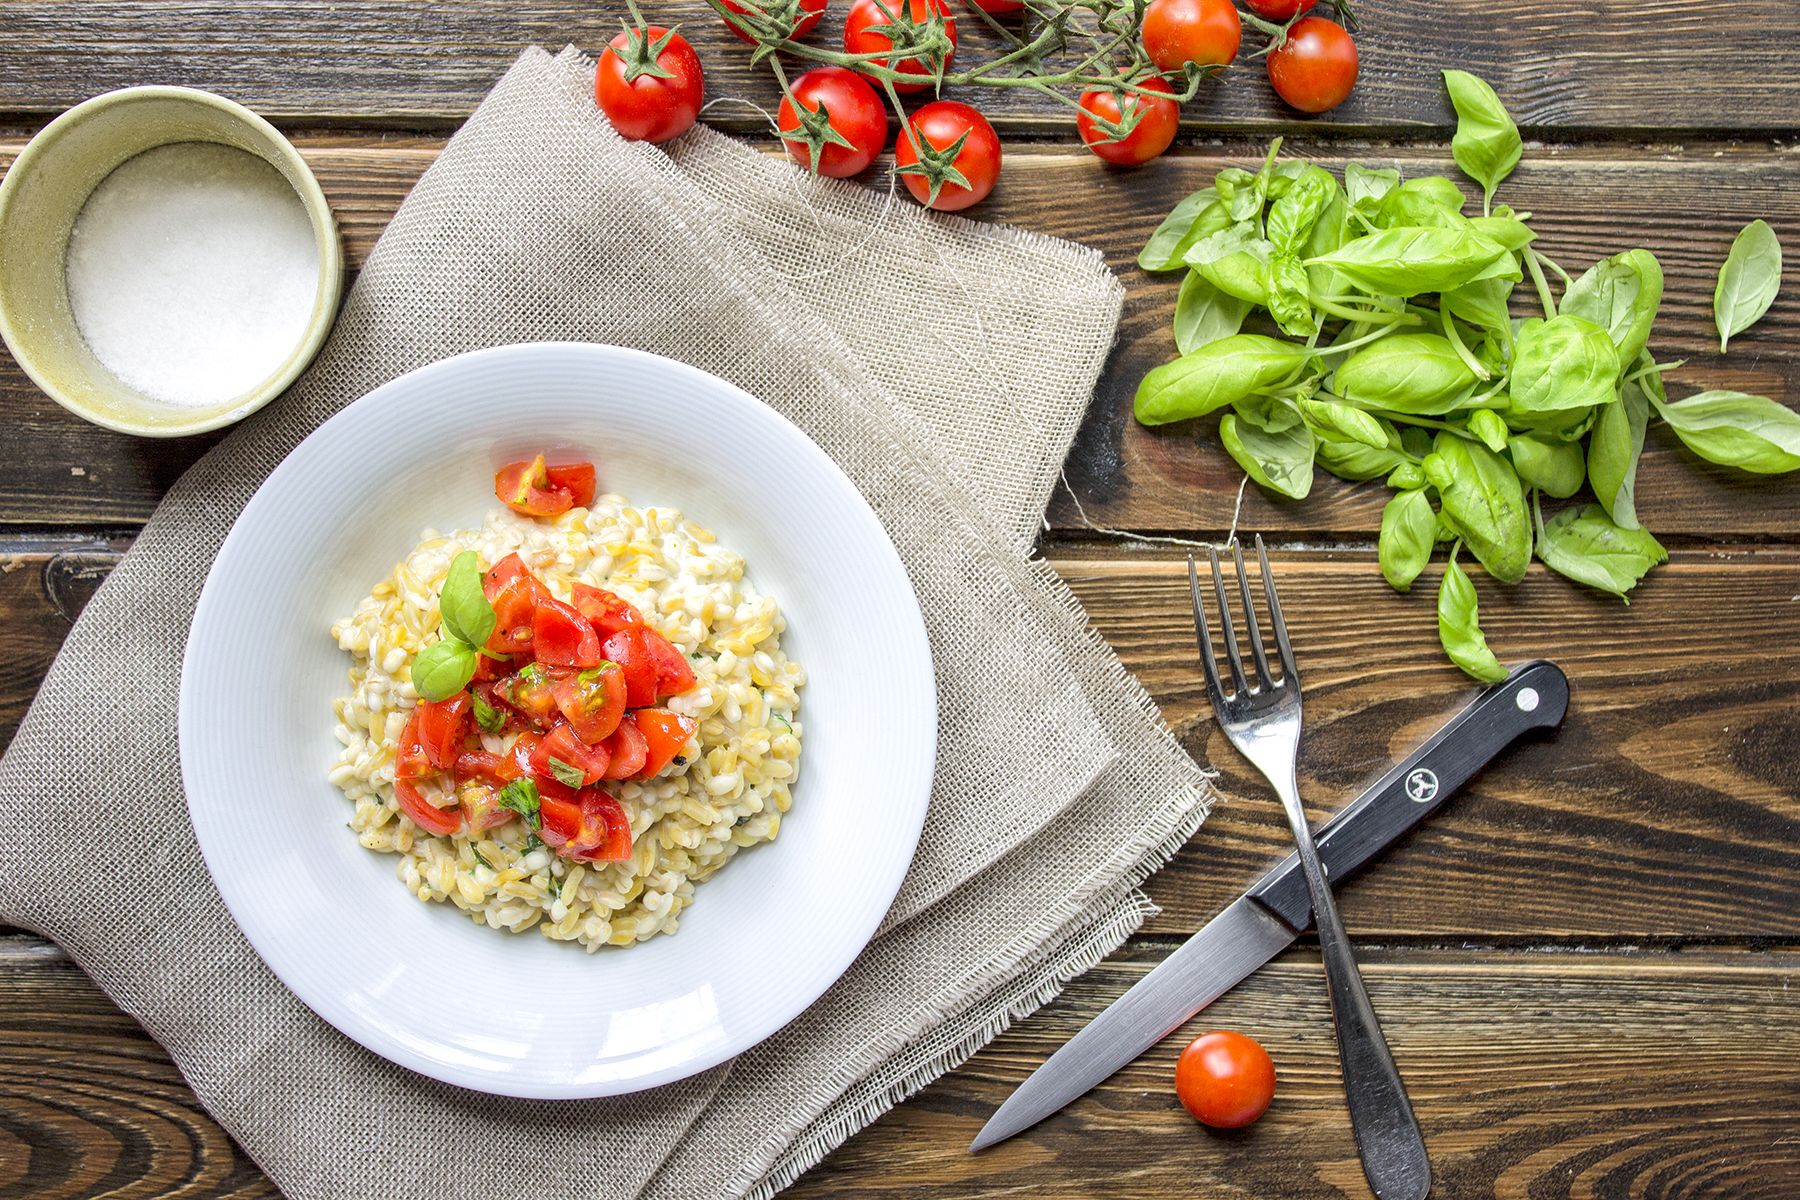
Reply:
x=1275 y=910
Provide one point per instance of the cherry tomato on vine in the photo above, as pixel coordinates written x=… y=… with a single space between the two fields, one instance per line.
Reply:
x=999 y=8
x=1177 y=32
x=644 y=106
x=939 y=124
x=1225 y=1079
x=852 y=110
x=864 y=33
x=1315 y=68
x=813 y=10
x=1154 y=130
x=1279 y=10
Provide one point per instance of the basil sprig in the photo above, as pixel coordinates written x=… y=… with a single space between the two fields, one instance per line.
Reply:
x=1367 y=327
x=444 y=668
x=521 y=796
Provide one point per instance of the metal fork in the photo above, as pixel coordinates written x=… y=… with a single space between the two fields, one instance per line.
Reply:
x=1263 y=722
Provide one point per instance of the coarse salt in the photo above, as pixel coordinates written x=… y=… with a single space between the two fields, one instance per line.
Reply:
x=192 y=272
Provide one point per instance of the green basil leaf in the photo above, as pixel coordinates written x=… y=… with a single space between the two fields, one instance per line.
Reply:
x=1621 y=295
x=1554 y=467
x=1486 y=145
x=1281 y=462
x=1584 y=545
x=1288 y=296
x=1459 y=627
x=1204 y=314
x=1486 y=424
x=1408 y=535
x=1415 y=373
x=1195 y=217
x=486 y=715
x=1240 y=192
x=1613 y=450
x=1409 y=204
x=1341 y=422
x=1733 y=429
x=566 y=774
x=1271 y=414
x=1483 y=502
x=1368 y=183
x=1354 y=462
x=1748 y=280
x=1480 y=302
x=1406 y=476
x=1562 y=368
x=521 y=796
x=1292 y=217
x=1217 y=374
x=464 y=606
x=1234 y=262
x=443 y=669
x=1510 y=232
x=1411 y=259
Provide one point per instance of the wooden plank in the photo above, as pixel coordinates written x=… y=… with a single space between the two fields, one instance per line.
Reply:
x=1593 y=68
x=1534 y=1074
x=1588 y=203
x=1665 y=809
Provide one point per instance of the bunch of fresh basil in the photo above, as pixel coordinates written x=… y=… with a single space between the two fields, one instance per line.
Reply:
x=1471 y=416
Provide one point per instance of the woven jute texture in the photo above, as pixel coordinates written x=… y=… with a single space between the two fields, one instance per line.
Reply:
x=944 y=365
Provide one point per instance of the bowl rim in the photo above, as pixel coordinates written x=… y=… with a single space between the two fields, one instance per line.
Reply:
x=319 y=215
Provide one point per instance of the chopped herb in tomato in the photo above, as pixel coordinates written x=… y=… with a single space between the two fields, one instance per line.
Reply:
x=521 y=796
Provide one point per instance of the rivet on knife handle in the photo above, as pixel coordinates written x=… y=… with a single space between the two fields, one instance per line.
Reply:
x=1534 y=696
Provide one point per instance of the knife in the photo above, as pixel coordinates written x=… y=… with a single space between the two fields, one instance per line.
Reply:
x=1275 y=911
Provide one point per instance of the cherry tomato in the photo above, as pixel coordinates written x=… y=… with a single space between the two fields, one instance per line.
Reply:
x=1315 y=68
x=562 y=744
x=410 y=758
x=488 y=767
x=515 y=606
x=1225 y=1079
x=531 y=692
x=810 y=12
x=1177 y=32
x=593 y=702
x=519 y=757
x=1153 y=133
x=1279 y=10
x=673 y=674
x=864 y=33
x=559 y=813
x=649 y=108
x=502 y=573
x=630 y=750
x=629 y=649
x=481 y=806
x=998 y=8
x=562 y=637
x=606 y=612
x=854 y=112
x=534 y=490
x=422 y=812
x=442 y=724
x=604 y=831
x=577 y=479
x=940 y=123
x=666 y=734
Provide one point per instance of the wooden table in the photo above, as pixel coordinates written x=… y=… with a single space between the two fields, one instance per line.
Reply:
x=1585 y=964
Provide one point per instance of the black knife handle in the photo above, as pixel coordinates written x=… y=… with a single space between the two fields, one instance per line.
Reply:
x=1534 y=696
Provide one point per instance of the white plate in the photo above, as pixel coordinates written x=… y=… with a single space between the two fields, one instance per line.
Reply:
x=421 y=984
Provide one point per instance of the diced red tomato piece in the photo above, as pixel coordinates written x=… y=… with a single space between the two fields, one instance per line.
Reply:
x=577 y=479
x=515 y=615
x=593 y=702
x=486 y=767
x=488 y=670
x=629 y=749
x=606 y=612
x=666 y=734
x=525 y=488
x=559 y=813
x=561 y=636
x=531 y=692
x=605 y=830
x=673 y=673
x=410 y=759
x=502 y=573
x=442 y=725
x=562 y=745
x=481 y=805
x=424 y=814
x=629 y=649
x=520 y=755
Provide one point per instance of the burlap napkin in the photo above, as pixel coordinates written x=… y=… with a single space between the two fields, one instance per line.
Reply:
x=1057 y=787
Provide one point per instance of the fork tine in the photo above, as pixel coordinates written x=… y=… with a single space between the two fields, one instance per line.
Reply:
x=1263 y=679
x=1207 y=663
x=1231 y=647
x=1289 y=675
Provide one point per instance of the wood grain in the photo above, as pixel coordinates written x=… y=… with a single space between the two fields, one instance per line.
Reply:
x=1596 y=68
x=61 y=471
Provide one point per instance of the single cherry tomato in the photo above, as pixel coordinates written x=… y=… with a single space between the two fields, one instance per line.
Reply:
x=559 y=813
x=502 y=573
x=1178 y=32
x=423 y=813
x=666 y=734
x=562 y=744
x=606 y=612
x=1225 y=1079
x=524 y=487
x=810 y=12
x=852 y=110
x=1279 y=10
x=999 y=8
x=411 y=761
x=673 y=673
x=1153 y=133
x=442 y=725
x=605 y=832
x=867 y=31
x=1315 y=68
x=515 y=606
x=940 y=123
x=646 y=107
x=562 y=637
x=593 y=702
x=523 y=748
x=488 y=767
x=577 y=479
x=628 y=648
x=630 y=750
x=531 y=692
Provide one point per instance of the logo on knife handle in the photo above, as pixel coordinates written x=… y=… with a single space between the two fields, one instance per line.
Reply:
x=1422 y=785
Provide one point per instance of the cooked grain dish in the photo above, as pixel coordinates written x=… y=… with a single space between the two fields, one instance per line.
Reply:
x=713 y=800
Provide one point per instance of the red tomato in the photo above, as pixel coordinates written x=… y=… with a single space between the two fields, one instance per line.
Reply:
x=563 y=745
x=577 y=479
x=1178 y=32
x=593 y=702
x=424 y=814
x=666 y=734
x=940 y=124
x=515 y=615
x=502 y=573
x=561 y=636
x=606 y=612
x=442 y=725
x=519 y=757
x=649 y=108
x=605 y=834
x=810 y=12
x=1279 y=10
x=999 y=8
x=488 y=670
x=411 y=761
x=481 y=806
x=488 y=767
x=1315 y=68
x=865 y=32
x=1153 y=133
x=1225 y=1079
x=525 y=488
x=852 y=111
x=532 y=691
x=559 y=813
x=673 y=674
x=629 y=748
x=629 y=649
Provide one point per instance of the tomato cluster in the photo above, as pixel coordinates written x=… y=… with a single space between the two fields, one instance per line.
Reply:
x=577 y=685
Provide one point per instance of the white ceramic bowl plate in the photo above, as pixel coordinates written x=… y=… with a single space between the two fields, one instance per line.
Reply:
x=422 y=984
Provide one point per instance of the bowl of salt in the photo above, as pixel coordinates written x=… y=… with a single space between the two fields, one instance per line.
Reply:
x=168 y=264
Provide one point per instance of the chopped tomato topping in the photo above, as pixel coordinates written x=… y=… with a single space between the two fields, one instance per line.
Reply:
x=673 y=674
x=593 y=702
x=560 y=636
x=481 y=805
x=531 y=692
x=630 y=650
x=606 y=612
x=666 y=734
x=487 y=767
x=605 y=829
x=424 y=814
x=442 y=725
x=515 y=615
x=577 y=479
x=629 y=749
x=562 y=745
x=410 y=759
x=521 y=753
x=535 y=490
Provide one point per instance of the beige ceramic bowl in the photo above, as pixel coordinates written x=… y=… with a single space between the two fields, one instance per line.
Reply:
x=42 y=195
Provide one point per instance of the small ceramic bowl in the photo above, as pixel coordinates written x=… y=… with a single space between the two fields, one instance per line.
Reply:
x=43 y=194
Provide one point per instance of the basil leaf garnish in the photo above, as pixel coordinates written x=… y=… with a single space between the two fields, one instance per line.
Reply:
x=566 y=774
x=443 y=669
x=521 y=796
x=466 y=612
